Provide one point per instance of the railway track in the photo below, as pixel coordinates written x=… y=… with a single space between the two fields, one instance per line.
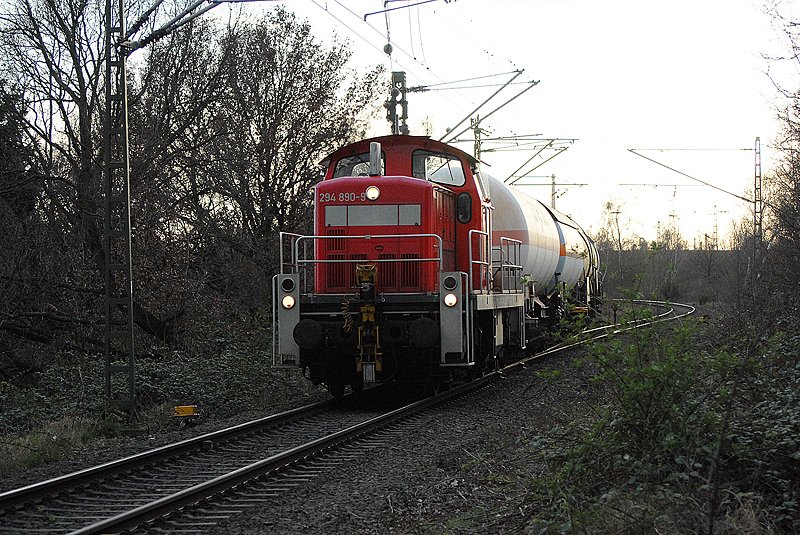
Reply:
x=194 y=484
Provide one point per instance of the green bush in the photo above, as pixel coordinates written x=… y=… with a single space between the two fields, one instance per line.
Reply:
x=690 y=439
x=762 y=457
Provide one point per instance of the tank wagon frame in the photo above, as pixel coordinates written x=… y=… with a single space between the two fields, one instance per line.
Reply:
x=422 y=269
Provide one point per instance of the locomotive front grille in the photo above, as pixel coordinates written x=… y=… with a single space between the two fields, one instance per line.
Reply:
x=409 y=272
x=338 y=272
x=342 y=275
x=336 y=244
x=387 y=273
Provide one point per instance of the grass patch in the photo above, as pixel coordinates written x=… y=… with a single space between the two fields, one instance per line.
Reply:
x=61 y=408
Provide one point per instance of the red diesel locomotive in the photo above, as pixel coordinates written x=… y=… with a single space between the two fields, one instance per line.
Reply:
x=421 y=268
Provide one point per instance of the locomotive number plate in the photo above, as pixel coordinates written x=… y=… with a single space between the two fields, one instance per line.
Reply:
x=342 y=196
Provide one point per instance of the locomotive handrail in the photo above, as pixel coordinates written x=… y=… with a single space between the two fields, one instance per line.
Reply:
x=509 y=270
x=280 y=246
x=304 y=264
x=304 y=239
x=509 y=246
x=484 y=267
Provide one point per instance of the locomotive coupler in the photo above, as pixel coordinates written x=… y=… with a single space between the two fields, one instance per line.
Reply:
x=366 y=275
x=369 y=359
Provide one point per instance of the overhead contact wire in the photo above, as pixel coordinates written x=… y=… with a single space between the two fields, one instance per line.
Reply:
x=421 y=46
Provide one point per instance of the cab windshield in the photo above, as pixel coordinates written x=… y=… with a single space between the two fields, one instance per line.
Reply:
x=357 y=165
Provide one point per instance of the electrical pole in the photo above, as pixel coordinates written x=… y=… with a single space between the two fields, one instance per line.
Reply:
x=119 y=344
x=478 y=132
x=120 y=357
x=553 y=192
x=476 y=128
x=758 y=213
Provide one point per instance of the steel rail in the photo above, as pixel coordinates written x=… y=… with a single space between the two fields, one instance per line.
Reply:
x=195 y=494
x=148 y=512
x=618 y=329
x=670 y=307
x=14 y=497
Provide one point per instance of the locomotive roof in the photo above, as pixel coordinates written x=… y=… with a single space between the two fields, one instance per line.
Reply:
x=423 y=142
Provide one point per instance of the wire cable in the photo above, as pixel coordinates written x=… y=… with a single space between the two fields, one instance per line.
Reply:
x=388 y=48
x=411 y=35
x=425 y=67
x=340 y=21
x=421 y=45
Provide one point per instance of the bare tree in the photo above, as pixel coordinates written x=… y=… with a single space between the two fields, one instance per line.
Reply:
x=19 y=181
x=285 y=101
x=227 y=126
x=286 y=108
x=19 y=188
x=54 y=51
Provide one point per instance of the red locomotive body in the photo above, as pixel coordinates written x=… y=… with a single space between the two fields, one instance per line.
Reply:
x=443 y=174
x=404 y=207
x=406 y=276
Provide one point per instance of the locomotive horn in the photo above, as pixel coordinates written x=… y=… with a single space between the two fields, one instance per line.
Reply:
x=374 y=159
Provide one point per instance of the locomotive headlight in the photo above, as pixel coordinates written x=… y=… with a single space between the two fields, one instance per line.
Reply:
x=450 y=300
x=287 y=302
x=373 y=193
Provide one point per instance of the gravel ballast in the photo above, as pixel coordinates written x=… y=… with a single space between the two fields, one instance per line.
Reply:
x=462 y=469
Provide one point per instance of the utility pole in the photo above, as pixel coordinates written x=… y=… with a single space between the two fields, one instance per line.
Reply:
x=477 y=146
x=119 y=344
x=716 y=226
x=758 y=214
x=553 y=191
x=616 y=213
x=120 y=360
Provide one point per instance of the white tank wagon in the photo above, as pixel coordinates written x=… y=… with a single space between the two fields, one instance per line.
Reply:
x=555 y=253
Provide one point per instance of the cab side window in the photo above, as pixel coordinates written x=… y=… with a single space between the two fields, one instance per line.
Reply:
x=440 y=168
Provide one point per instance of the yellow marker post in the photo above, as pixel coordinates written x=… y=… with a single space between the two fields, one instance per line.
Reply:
x=185 y=411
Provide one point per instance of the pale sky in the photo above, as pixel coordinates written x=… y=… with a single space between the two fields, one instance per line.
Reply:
x=614 y=74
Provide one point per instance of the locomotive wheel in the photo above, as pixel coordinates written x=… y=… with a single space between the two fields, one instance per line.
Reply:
x=336 y=388
x=357 y=384
x=476 y=372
